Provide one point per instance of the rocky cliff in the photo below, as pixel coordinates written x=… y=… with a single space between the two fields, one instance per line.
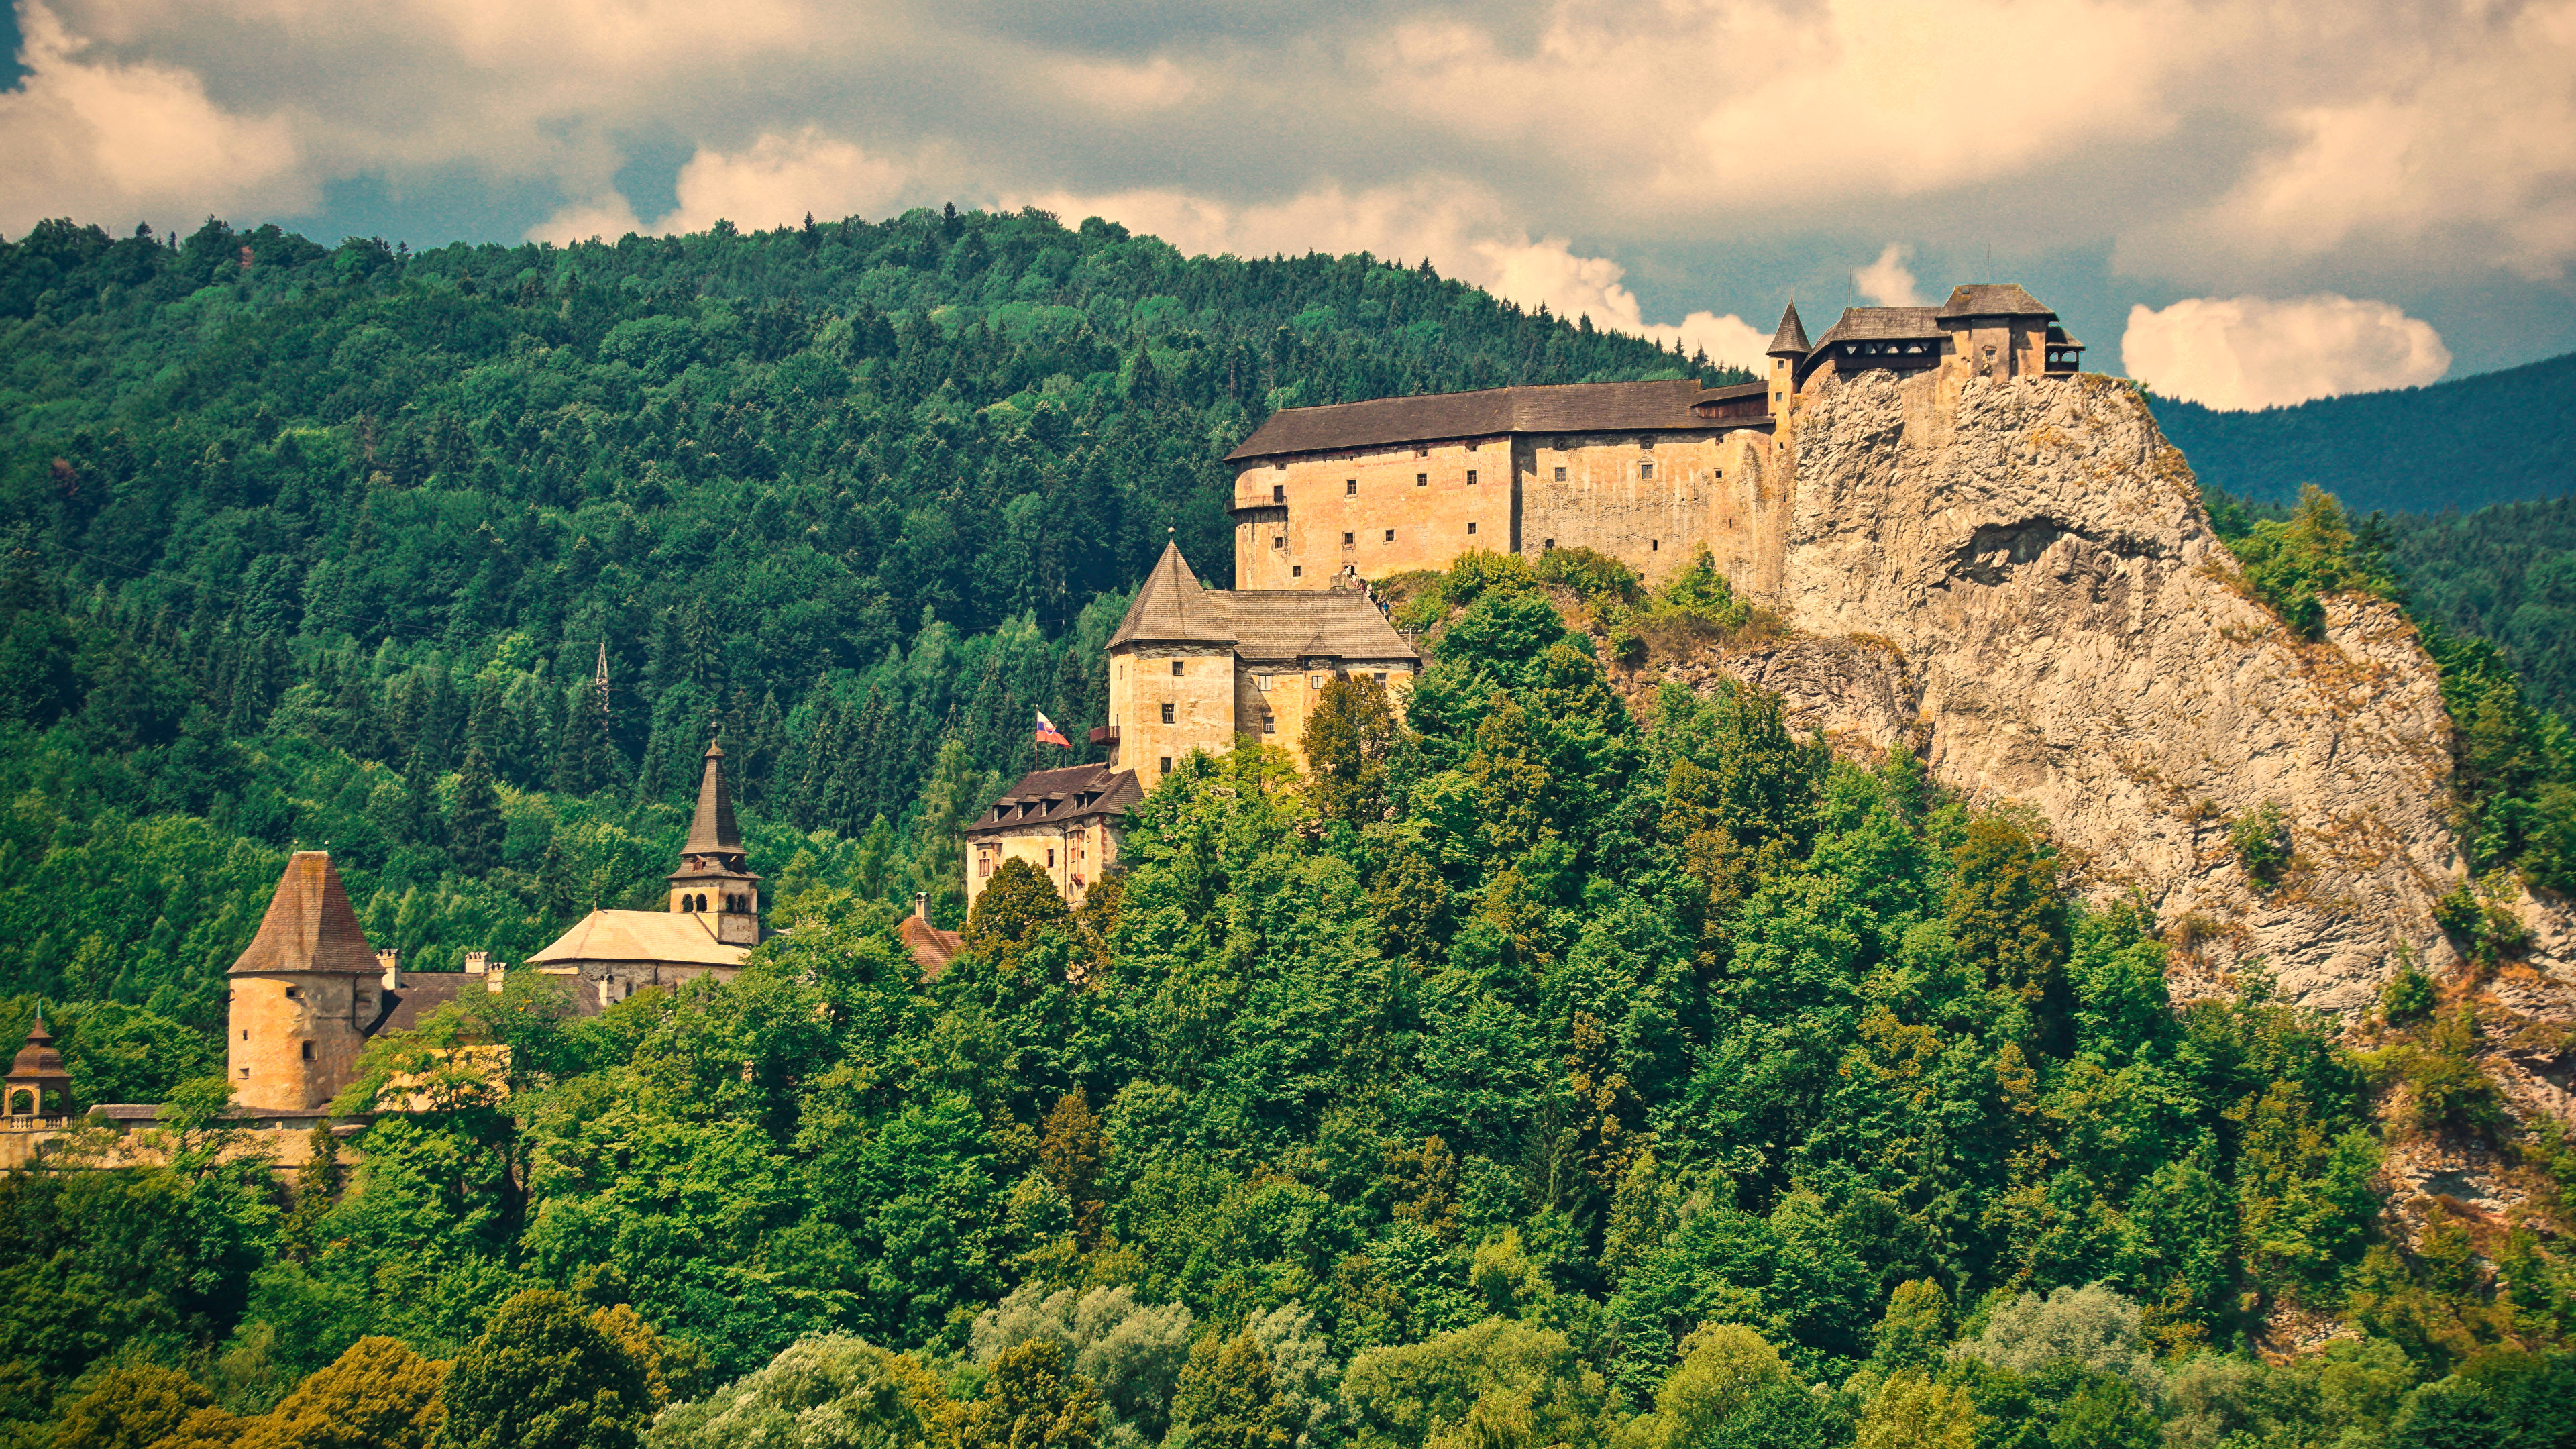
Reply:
x=2020 y=577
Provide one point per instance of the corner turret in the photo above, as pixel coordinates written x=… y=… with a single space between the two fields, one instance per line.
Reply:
x=715 y=875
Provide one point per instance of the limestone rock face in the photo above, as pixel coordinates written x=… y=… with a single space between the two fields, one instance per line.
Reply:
x=2073 y=634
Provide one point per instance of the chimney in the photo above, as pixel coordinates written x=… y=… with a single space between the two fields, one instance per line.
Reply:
x=475 y=961
x=492 y=976
x=390 y=962
x=921 y=906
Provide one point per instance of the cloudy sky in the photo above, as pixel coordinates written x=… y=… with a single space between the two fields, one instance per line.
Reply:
x=2244 y=202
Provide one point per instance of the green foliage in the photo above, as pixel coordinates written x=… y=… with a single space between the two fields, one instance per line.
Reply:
x=378 y=1395
x=832 y=1391
x=1349 y=734
x=543 y=1376
x=129 y=1407
x=2260 y=839
x=2293 y=564
x=1228 y=1398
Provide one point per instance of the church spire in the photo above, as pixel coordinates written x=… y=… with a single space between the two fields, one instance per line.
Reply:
x=711 y=830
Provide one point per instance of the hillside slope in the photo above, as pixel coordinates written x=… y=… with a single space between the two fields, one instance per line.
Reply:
x=2463 y=444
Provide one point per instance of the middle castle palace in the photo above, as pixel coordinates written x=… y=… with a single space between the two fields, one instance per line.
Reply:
x=1327 y=498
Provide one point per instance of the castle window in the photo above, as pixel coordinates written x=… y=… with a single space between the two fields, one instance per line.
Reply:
x=1471 y=526
x=1471 y=473
x=1167 y=714
x=294 y=993
x=1560 y=472
x=1654 y=545
x=1421 y=480
x=1279 y=464
x=1167 y=765
x=1269 y=726
x=308 y=1051
x=1296 y=571
x=1551 y=543
x=1261 y=682
x=1390 y=535
x=1314 y=681
x=1421 y=451
x=1645 y=470
x=1279 y=541
x=1176 y=667
x=1050 y=860
x=1380 y=677
x=1350 y=488
x=1348 y=539
x=245 y=1033
x=1278 y=492
x=1471 y=447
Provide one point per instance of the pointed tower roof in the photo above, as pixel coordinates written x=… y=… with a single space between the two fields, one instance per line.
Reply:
x=1172 y=607
x=310 y=925
x=38 y=1059
x=711 y=830
x=1791 y=339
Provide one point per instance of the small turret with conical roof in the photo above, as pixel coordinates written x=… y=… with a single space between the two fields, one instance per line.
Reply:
x=38 y=1083
x=1789 y=347
x=715 y=877
x=1790 y=340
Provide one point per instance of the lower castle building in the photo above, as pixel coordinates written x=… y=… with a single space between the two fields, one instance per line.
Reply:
x=1190 y=668
x=309 y=993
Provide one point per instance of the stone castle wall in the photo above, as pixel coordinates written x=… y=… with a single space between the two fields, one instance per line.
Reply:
x=274 y=1019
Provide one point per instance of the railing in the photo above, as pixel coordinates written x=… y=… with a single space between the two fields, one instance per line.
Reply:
x=1104 y=734
x=35 y=1123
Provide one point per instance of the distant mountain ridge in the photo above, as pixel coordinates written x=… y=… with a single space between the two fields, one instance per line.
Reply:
x=2499 y=437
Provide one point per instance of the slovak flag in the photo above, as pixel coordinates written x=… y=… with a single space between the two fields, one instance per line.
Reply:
x=1048 y=734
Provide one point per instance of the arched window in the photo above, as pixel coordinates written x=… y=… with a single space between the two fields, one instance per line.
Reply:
x=22 y=1103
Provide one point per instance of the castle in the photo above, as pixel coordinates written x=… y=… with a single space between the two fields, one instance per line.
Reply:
x=1326 y=498
x=309 y=993
x=1646 y=472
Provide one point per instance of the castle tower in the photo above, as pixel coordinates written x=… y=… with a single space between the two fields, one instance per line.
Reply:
x=38 y=1085
x=304 y=995
x=1789 y=347
x=714 y=877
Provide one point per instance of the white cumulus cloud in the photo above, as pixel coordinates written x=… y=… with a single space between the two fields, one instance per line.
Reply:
x=2253 y=352
x=102 y=141
x=775 y=181
x=1888 y=282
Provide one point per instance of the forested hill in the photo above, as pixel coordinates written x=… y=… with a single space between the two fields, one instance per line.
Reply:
x=2464 y=444
x=296 y=533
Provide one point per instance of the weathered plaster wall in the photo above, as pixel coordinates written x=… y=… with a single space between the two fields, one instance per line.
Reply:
x=1141 y=682
x=266 y=1030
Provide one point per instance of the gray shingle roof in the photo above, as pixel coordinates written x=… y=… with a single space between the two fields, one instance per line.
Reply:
x=1792 y=336
x=711 y=829
x=1589 y=407
x=1880 y=324
x=1055 y=797
x=1171 y=608
x=2000 y=299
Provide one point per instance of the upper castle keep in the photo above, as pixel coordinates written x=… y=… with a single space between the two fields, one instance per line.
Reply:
x=1646 y=472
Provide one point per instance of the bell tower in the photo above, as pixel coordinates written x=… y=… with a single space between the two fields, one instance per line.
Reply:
x=714 y=879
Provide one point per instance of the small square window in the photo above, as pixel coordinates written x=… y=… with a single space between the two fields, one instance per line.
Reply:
x=1176 y=666
x=1167 y=714
x=1380 y=677
x=1350 y=488
x=1314 y=681
x=1560 y=473
x=1471 y=526
x=1296 y=571
x=1471 y=477
x=1279 y=542
x=1390 y=535
x=1551 y=543
x=1645 y=470
x=1349 y=539
x=308 y=1051
x=1421 y=480
x=1279 y=465
x=1167 y=765
x=1269 y=726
